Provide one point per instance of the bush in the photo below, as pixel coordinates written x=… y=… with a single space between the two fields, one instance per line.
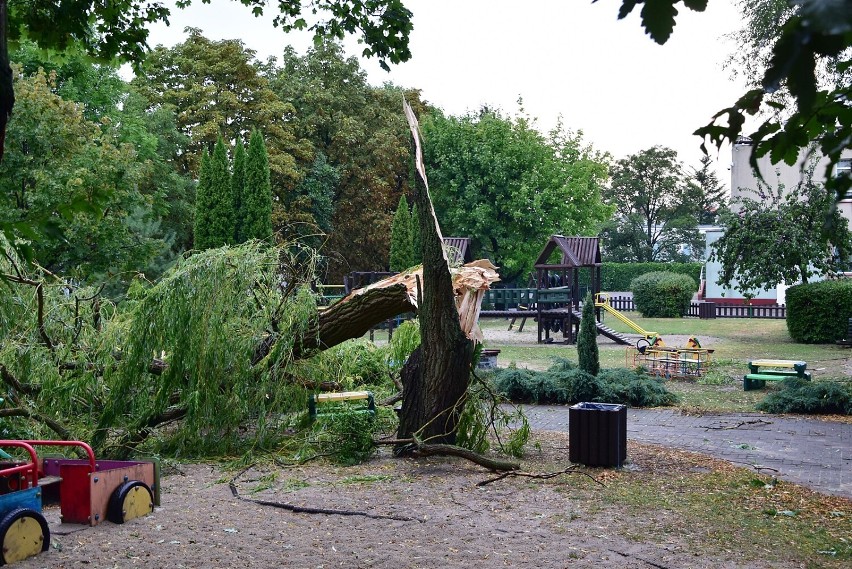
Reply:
x=809 y=397
x=818 y=313
x=663 y=294
x=567 y=384
x=587 y=339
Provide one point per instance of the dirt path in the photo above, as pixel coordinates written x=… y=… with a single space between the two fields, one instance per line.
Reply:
x=568 y=520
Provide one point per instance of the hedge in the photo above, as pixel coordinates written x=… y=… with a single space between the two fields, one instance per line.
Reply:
x=818 y=313
x=663 y=294
x=618 y=276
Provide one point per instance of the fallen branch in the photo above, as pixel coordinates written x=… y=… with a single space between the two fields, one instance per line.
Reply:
x=416 y=448
x=544 y=476
x=310 y=510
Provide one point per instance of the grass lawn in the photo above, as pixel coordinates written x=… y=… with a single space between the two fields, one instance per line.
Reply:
x=734 y=342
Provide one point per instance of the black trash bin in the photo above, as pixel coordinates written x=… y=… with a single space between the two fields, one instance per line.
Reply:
x=597 y=434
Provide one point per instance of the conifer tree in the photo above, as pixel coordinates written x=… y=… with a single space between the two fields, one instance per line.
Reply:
x=587 y=339
x=219 y=229
x=202 y=205
x=416 y=245
x=257 y=196
x=400 y=248
x=238 y=184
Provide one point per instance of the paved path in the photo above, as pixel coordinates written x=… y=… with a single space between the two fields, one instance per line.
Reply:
x=811 y=452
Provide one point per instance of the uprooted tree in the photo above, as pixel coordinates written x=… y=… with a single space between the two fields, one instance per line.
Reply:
x=207 y=353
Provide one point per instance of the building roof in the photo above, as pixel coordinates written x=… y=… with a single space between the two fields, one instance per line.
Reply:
x=460 y=247
x=576 y=252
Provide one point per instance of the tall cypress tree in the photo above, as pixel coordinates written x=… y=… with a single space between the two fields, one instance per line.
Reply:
x=201 y=227
x=220 y=229
x=416 y=244
x=587 y=339
x=400 y=246
x=257 y=197
x=238 y=184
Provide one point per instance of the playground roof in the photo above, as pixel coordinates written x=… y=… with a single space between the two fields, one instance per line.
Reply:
x=576 y=252
x=460 y=247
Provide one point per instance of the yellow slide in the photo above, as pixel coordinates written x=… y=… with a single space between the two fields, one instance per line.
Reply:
x=602 y=301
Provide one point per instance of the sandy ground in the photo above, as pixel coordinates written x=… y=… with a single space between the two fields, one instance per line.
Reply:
x=426 y=513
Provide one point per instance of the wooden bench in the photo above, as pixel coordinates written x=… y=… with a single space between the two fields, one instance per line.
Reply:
x=779 y=370
x=365 y=396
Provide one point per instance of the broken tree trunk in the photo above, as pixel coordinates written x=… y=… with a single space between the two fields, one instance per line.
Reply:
x=437 y=379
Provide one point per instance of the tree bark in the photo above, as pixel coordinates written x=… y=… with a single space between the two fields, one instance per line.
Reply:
x=436 y=382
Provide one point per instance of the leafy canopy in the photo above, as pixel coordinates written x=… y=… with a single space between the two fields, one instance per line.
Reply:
x=655 y=210
x=502 y=183
x=775 y=236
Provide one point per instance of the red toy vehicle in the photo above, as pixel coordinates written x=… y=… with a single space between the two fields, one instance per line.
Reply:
x=88 y=491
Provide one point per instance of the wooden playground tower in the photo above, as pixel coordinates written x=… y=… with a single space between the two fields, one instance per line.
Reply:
x=558 y=284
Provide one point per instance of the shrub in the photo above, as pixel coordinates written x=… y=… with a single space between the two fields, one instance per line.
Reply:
x=587 y=339
x=819 y=313
x=663 y=294
x=564 y=383
x=810 y=397
x=618 y=276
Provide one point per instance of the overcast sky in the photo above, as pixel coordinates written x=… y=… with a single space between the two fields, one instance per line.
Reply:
x=563 y=57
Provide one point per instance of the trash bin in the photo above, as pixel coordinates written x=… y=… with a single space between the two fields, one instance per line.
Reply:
x=597 y=434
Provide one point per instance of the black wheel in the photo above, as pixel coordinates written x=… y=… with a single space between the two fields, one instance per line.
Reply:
x=23 y=533
x=132 y=499
x=642 y=344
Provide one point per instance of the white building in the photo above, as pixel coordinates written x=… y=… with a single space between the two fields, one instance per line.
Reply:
x=744 y=181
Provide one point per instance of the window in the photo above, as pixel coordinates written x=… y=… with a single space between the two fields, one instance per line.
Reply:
x=844 y=167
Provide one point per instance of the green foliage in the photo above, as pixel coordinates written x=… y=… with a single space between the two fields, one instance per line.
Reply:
x=355 y=364
x=587 y=339
x=663 y=294
x=238 y=190
x=655 y=214
x=405 y=339
x=416 y=244
x=818 y=313
x=205 y=319
x=319 y=186
x=633 y=388
x=788 y=46
x=809 y=397
x=618 y=276
x=220 y=214
x=401 y=244
x=257 y=199
x=564 y=383
x=780 y=236
x=346 y=437
x=706 y=194
x=364 y=137
x=509 y=188
x=61 y=172
x=203 y=200
x=484 y=419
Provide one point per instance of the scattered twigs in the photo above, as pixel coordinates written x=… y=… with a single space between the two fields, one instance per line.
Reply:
x=737 y=426
x=544 y=476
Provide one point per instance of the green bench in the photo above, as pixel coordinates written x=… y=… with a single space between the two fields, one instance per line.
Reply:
x=778 y=370
x=338 y=399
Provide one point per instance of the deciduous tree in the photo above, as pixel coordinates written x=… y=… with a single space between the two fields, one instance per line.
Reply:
x=506 y=186
x=654 y=219
x=777 y=237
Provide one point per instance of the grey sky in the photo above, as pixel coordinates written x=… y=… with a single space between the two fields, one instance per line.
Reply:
x=563 y=57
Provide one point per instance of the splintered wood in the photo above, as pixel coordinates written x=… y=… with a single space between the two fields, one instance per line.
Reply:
x=470 y=282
